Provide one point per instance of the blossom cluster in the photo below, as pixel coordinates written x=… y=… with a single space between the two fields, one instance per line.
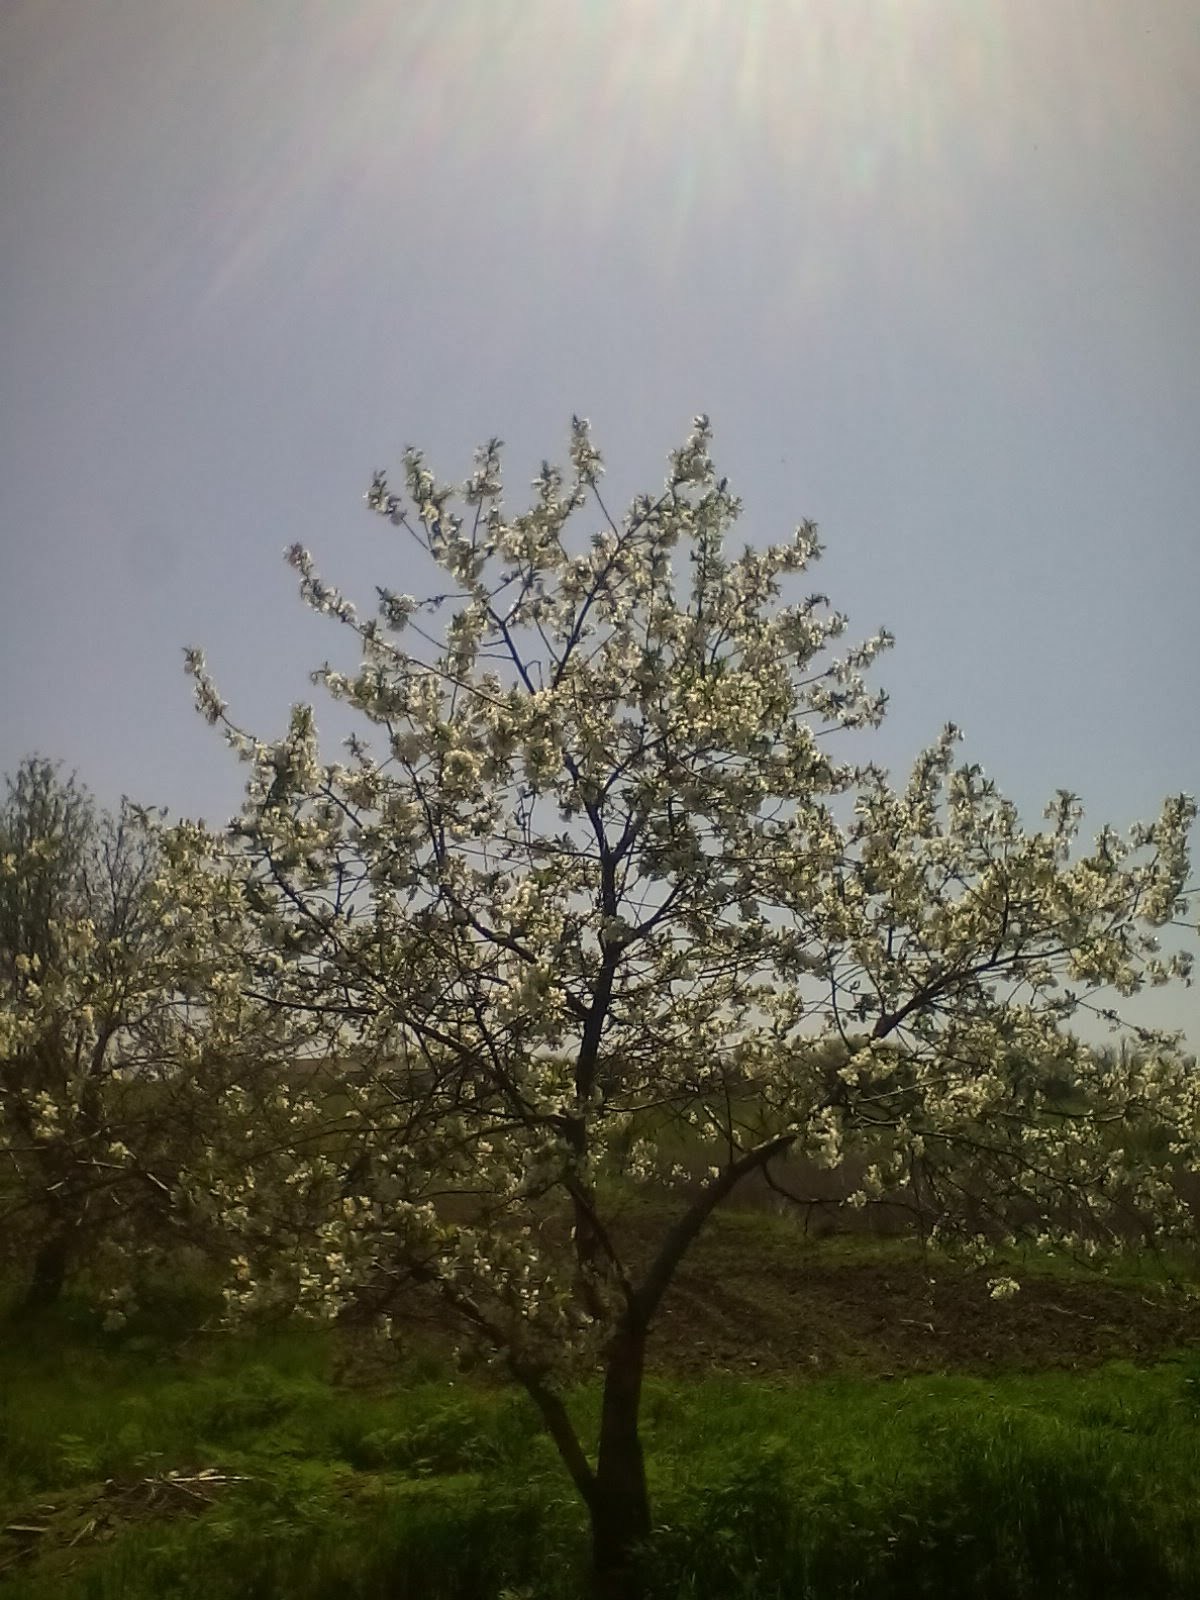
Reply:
x=591 y=898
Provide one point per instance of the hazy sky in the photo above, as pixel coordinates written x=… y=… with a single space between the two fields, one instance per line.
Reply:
x=932 y=267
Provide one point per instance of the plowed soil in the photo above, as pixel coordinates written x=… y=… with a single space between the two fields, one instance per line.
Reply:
x=754 y=1298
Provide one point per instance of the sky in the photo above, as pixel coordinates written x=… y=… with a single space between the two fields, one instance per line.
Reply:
x=931 y=266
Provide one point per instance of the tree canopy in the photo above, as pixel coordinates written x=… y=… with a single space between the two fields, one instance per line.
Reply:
x=592 y=900
x=118 y=1026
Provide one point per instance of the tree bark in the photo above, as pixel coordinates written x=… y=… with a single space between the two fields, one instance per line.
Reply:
x=620 y=1501
x=48 y=1276
x=615 y=1492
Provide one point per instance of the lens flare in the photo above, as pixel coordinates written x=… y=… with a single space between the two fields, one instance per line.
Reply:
x=660 y=126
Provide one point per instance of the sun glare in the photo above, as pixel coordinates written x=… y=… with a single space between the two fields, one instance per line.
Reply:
x=663 y=117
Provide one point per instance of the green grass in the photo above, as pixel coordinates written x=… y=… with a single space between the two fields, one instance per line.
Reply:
x=425 y=1490
x=405 y=1480
x=1052 y=1484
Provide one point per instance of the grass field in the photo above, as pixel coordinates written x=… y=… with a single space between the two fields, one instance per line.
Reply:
x=825 y=1420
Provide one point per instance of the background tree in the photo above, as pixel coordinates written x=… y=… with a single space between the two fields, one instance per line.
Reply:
x=579 y=915
x=110 y=1043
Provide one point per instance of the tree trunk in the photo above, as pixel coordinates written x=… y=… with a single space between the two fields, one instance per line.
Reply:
x=48 y=1276
x=619 y=1502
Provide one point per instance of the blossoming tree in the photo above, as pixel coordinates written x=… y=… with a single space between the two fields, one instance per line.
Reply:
x=579 y=899
x=114 y=1035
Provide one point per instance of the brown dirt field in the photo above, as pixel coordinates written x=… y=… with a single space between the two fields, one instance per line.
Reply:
x=757 y=1296
x=754 y=1297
